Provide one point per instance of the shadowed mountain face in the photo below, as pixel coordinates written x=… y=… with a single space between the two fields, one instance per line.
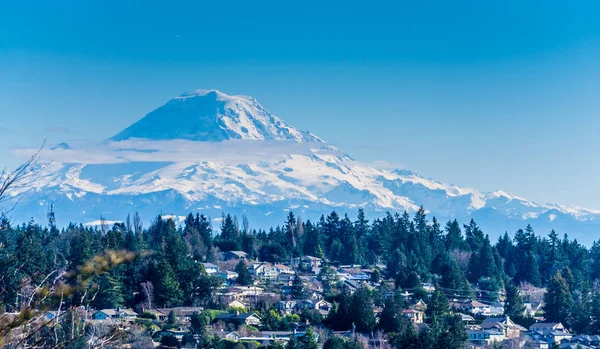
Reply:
x=208 y=152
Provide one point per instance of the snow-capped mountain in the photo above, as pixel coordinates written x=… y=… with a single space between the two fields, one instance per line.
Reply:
x=210 y=115
x=208 y=152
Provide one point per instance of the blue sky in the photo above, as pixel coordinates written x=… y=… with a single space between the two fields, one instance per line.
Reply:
x=491 y=95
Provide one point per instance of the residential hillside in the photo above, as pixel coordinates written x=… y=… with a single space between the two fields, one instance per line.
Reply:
x=396 y=280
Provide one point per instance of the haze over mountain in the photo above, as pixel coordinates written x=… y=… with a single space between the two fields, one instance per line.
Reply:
x=207 y=152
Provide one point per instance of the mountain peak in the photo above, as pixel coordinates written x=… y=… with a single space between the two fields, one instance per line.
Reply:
x=213 y=116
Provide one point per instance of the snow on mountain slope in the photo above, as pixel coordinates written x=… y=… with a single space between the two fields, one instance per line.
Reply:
x=210 y=115
x=208 y=152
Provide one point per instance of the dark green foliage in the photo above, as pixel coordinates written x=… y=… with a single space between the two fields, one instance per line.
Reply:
x=454 y=239
x=169 y=342
x=244 y=278
x=413 y=247
x=298 y=290
x=376 y=276
x=309 y=340
x=172 y=318
x=335 y=342
x=391 y=320
x=167 y=291
x=229 y=240
x=354 y=309
x=558 y=300
x=513 y=306
x=293 y=343
x=438 y=304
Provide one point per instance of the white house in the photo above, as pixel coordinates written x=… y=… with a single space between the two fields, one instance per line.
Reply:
x=210 y=268
x=228 y=275
x=283 y=269
x=415 y=316
x=474 y=307
x=485 y=337
x=263 y=270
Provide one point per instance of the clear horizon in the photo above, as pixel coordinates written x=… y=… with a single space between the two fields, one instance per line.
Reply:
x=487 y=96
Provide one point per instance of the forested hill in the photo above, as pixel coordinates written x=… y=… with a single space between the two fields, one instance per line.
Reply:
x=457 y=256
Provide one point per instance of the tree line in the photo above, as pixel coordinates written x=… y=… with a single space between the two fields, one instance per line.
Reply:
x=459 y=259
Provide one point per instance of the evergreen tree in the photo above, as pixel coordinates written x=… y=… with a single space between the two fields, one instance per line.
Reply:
x=110 y=293
x=229 y=240
x=204 y=228
x=453 y=334
x=473 y=236
x=513 y=306
x=362 y=310
x=329 y=279
x=454 y=238
x=244 y=277
x=293 y=343
x=558 y=300
x=166 y=288
x=438 y=304
x=309 y=340
x=312 y=240
x=595 y=314
x=298 y=287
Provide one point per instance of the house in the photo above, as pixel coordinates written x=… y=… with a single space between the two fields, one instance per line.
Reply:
x=351 y=285
x=263 y=271
x=473 y=307
x=181 y=313
x=415 y=316
x=175 y=333
x=556 y=336
x=531 y=309
x=360 y=277
x=592 y=341
x=323 y=306
x=568 y=345
x=286 y=306
x=466 y=318
x=237 y=304
x=505 y=325
x=285 y=335
x=114 y=314
x=420 y=305
x=247 y=291
x=228 y=275
x=210 y=268
x=239 y=318
x=283 y=269
x=485 y=337
x=314 y=262
x=286 y=278
x=547 y=326
x=537 y=344
x=232 y=255
x=428 y=287
x=496 y=309
x=232 y=336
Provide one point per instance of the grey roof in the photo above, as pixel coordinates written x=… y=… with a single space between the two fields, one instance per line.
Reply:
x=235 y=316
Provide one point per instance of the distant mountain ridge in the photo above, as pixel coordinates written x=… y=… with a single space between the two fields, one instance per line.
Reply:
x=208 y=152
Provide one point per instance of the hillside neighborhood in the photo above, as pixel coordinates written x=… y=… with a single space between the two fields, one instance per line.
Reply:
x=294 y=294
